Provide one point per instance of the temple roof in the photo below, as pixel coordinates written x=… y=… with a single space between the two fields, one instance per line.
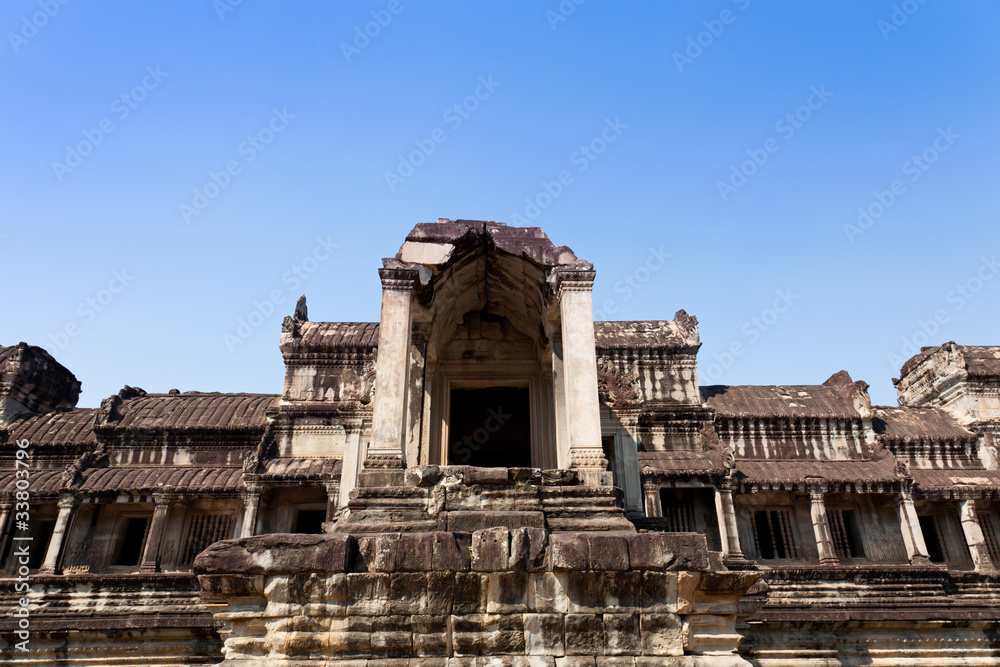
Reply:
x=778 y=401
x=68 y=428
x=979 y=360
x=194 y=410
x=906 y=424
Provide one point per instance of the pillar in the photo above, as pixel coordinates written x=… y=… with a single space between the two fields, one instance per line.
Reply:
x=651 y=498
x=974 y=536
x=726 y=510
x=332 y=496
x=386 y=454
x=909 y=525
x=67 y=505
x=579 y=366
x=251 y=501
x=151 y=554
x=821 y=528
x=5 y=511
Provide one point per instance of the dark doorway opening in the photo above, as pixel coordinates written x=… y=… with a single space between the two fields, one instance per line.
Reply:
x=310 y=521
x=490 y=428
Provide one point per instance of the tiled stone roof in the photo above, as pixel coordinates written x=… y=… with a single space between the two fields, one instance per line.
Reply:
x=905 y=424
x=68 y=428
x=148 y=479
x=781 y=401
x=194 y=410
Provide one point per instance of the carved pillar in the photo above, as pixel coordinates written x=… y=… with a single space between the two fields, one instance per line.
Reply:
x=651 y=497
x=583 y=412
x=5 y=511
x=151 y=554
x=67 y=505
x=559 y=399
x=726 y=510
x=251 y=501
x=909 y=525
x=974 y=536
x=386 y=453
x=332 y=496
x=821 y=528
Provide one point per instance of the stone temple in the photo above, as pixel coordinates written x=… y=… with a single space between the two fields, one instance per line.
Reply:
x=487 y=476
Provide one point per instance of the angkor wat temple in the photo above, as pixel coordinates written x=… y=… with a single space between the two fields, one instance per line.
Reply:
x=487 y=476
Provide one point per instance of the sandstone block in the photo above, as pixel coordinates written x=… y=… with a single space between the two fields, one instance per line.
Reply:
x=621 y=634
x=584 y=634
x=569 y=551
x=608 y=552
x=544 y=634
x=490 y=550
x=527 y=549
x=661 y=634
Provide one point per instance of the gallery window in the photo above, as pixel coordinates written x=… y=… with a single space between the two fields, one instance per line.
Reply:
x=132 y=541
x=988 y=524
x=846 y=535
x=937 y=550
x=772 y=533
x=203 y=530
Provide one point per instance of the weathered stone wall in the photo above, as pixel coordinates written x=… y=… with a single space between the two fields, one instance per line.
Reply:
x=493 y=597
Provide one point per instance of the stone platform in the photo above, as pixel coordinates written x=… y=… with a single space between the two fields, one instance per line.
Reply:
x=466 y=498
x=490 y=597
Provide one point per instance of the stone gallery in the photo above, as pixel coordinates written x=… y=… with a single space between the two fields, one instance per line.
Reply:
x=487 y=476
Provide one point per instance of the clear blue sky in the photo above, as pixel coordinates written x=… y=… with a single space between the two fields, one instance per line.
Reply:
x=114 y=113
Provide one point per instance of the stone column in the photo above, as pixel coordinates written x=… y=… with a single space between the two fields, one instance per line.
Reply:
x=974 y=536
x=583 y=416
x=562 y=459
x=332 y=496
x=386 y=454
x=821 y=528
x=251 y=501
x=5 y=512
x=151 y=554
x=726 y=510
x=651 y=498
x=67 y=505
x=909 y=525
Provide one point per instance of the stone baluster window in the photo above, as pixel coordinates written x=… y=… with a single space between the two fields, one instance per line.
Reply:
x=846 y=534
x=203 y=530
x=988 y=523
x=772 y=534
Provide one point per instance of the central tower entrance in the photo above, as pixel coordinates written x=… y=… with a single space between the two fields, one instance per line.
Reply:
x=490 y=427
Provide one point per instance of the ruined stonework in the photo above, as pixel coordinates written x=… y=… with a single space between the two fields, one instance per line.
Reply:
x=487 y=476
